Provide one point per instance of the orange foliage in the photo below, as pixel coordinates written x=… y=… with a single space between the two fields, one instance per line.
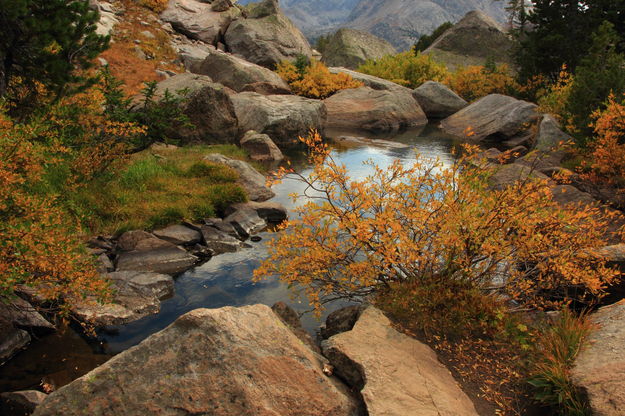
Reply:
x=475 y=82
x=554 y=99
x=155 y=5
x=433 y=225
x=317 y=81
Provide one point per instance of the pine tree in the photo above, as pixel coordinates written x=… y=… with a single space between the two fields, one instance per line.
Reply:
x=47 y=41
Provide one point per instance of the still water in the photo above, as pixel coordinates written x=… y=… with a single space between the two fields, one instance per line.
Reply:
x=225 y=280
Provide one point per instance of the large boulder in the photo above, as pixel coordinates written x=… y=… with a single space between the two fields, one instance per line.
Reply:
x=246 y=221
x=281 y=117
x=272 y=212
x=254 y=183
x=220 y=241
x=599 y=369
x=495 y=117
x=507 y=175
x=208 y=106
x=239 y=74
x=20 y=403
x=266 y=37
x=221 y=362
x=373 y=110
x=197 y=19
x=550 y=136
x=351 y=48
x=437 y=100
x=369 y=80
x=396 y=374
x=261 y=148
x=471 y=41
x=179 y=235
x=12 y=340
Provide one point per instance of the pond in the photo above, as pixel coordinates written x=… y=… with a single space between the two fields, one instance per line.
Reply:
x=225 y=280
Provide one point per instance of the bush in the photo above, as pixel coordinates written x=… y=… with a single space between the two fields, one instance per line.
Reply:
x=315 y=80
x=475 y=82
x=555 y=97
x=223 y=196
x=212 y=172
x=408 y=68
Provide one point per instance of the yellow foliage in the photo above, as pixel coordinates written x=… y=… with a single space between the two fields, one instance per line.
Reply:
x=474 y=82
x=432 y=225
x=406 y=68
x=155 y=5
x=316 y=81
x=554 y=98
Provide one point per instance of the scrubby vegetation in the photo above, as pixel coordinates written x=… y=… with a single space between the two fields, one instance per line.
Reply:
x=425 y=41
x=314 y=79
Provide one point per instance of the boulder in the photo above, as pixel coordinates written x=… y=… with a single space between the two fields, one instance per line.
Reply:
x=549 y=135
x=221 y=5
x=356 y=141
x=104 y=264
x=567 y=194
x=254 y=183
x=373 y=110
x=369 y=80
x=351 y=48
x=193 y=55
x=599 y=369
x=107 y=18
x=283 y=117
x=437 y=100
x=135 y=295
x=272 y=212
x=179 y=235
x=139 y=240
x=396 y=374
x=208 y=106
x=341 y=320
x=246 y=221
x=21 y=314
x=219 y=241
x=12 y=340
x=265 y=88
x=267 y=37
x=261 y=148
x=291 y=319
x=506 y=175
x=198 y=20
x=169 y=259
x=20 y=403
x=228 y=361
x=237 y=73
x=495 y=117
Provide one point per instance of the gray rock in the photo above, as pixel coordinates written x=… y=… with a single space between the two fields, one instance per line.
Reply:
x=599 y=369
x=495 y=117
x=341 y=320
x=105 y=265
x=282 y=117
x=139 y=240
x=370 y=80
x=221 y=5
x=351 y=48
x=261 y=147
x=108 y=19
x=356 y=141
x=19 y=403
x=373 y=110
x=237 y=73
x=246 y=221
x=229 y=361
x=21 y=314
x=197 y=20
x=193 y=55
x=506 y=175
x=396 y=374
x=135 y=295
x=549 y=136
x=179 y=235
x=437 y=100
x=266 y=38
x=272 y=212
x=167 y=260
x=250 y=179
x=219 y=241
x=12 y=340
x=566 y=195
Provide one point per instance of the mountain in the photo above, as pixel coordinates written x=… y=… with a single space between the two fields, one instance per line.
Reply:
x=398 y=21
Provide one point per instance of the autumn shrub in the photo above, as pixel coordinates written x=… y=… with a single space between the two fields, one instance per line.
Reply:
x=155 y=5
x=475 y=82
x=553 y=357
x=432 y=225
x=408 y=68
x=315 y=80
x=554 y=97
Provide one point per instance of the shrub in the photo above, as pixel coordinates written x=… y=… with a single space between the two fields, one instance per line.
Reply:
x=212 y=172
x=555 y=97
x=408 y=68
x=315 y=80
x=224 y=195
x=157 y=6
x=475 y=82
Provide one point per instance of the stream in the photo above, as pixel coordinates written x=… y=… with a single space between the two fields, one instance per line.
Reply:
x=225 y=280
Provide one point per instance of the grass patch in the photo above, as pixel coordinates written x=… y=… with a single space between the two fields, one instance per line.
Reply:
x=156 y=188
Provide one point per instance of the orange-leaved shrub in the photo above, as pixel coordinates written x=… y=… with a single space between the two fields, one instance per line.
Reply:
x=555 y=97
x=434 y=226
x=316 y=80
x=474 y=82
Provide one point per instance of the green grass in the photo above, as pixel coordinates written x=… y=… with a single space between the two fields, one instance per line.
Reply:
x=154 y=189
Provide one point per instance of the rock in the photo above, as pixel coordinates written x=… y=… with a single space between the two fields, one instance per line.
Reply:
x=179 y=235
x=265 y=88
x=250 y=179
x=373 y=110
x=219 y=241
x=228 y=361
x=291 y=319
x=566 y=195
x=267 y=37
x=237 y=73
x=219 y=223
x=397 y=375
x=22 y=315
x=261 y=147
x=168 y=260
x=495 y=117
x=135 y=295
x=351 y=141
x=549 y=136
x=221 y=5
x=193 y=55
x=20 y=403
x=471 y=41
x=506 y=175
x=139 y=240
x=351 y=48
x=542 y=161
x=208 y=106
x=599 y=369
x=282 y=117
x=100 y=242
x=12 y=340
x=108 y=20
x=246 y=221
x=369 y=80
x=272 y=212
x=341 y=320
x=197 y=20
x=437 y=100
x=105 y=265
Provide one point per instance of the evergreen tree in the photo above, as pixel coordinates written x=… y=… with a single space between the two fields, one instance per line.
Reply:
x=47 y=41
x=426 y=40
